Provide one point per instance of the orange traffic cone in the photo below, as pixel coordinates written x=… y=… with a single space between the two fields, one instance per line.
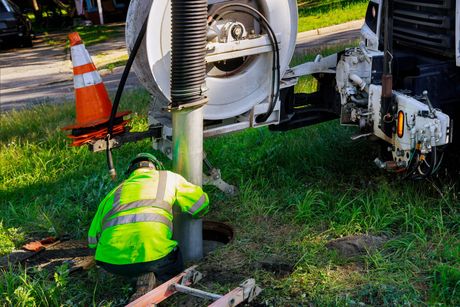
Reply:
x=93 y=105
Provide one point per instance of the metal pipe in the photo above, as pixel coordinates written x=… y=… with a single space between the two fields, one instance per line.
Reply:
x=188 y=144
x=188 y=161
x=196 y=292
x=188 y=73
x=358 y=81
x=386 y=109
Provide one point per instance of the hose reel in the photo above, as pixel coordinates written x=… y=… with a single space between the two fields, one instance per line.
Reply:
x=239 y=53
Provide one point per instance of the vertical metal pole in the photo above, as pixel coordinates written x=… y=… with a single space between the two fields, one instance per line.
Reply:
x=387 y=78
x=188 y=78
x=188 y=161
x=101 y=15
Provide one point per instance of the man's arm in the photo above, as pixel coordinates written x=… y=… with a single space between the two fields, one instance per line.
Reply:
x=191 y=198
x=96 y=225
x=95 y=229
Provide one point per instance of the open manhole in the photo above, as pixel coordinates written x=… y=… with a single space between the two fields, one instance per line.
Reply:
x=215 y=235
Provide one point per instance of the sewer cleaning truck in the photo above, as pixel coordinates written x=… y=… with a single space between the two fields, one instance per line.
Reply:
x=400 y=85
x=220 y=66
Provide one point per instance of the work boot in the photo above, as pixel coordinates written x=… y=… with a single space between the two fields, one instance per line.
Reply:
x=145 y=283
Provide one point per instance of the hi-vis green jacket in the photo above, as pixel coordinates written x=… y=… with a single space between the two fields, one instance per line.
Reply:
x=133 y=224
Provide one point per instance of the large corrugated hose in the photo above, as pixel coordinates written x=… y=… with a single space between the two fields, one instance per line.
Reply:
x=188 y=53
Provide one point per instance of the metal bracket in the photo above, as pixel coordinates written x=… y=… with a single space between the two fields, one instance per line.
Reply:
x=165 y=290
x=129 y=137
x=190 y=105
x=192 y=276
x=250 y=289
x=214 y=177
x=195 y=292
x=246 y=292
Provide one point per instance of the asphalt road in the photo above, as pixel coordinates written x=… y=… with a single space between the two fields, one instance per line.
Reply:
x=43 y=74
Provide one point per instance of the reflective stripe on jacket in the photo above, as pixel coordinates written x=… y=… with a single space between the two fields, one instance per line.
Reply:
x=133 y=224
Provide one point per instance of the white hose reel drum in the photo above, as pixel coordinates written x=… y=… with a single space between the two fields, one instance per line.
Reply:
x=235 y=83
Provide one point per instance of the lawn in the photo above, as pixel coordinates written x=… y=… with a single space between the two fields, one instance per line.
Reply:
x=91 y=35
x=293 y=200
x=310 y=19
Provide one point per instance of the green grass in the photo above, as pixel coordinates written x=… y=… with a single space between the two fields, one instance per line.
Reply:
x=323 y=18
x=308 y=84
x=293 y=199
x=120 y=61
x=92 y=35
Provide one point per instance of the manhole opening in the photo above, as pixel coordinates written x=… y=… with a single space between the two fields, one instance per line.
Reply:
x=215 y=235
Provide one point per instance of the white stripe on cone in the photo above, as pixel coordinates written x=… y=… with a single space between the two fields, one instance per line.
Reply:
x=88 y=79
x=80 y=56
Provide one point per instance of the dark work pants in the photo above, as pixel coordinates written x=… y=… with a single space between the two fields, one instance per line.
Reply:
x=164 y=268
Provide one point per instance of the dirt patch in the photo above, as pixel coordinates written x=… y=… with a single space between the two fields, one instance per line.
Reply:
x=73 y=253
x=222 y=277
x=276 y=265
x=15 y=257
x=358 y=245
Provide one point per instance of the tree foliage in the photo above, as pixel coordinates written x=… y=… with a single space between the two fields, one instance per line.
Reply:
x=48 y=12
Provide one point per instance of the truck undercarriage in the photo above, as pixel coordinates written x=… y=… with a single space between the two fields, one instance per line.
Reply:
x=417 y=125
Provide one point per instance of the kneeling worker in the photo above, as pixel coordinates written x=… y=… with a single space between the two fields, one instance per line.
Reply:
x=132 y=230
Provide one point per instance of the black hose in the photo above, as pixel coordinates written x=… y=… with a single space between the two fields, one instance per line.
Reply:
x=275 y=66
x=276 y=76
x=116 y=102
x=431 y=168
x=434 y=161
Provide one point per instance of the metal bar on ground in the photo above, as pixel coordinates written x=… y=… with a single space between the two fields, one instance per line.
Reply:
x=196 y=292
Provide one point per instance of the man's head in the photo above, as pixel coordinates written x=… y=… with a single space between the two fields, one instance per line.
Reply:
x=144 y=160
